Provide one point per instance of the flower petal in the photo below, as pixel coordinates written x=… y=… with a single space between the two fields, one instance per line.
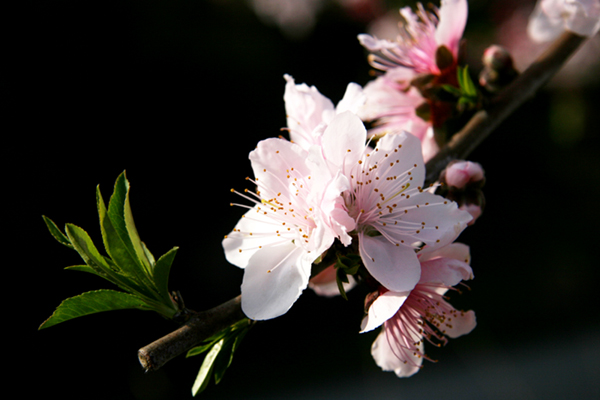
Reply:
x=325 y=284
x=305 y=108
x=247 y=237
x=461 y=324
x=344 y=140
x=395 y=267
x=446 y=271
x=272 y=161
x=383 y=308
x=453 y=19
x=385 y=356
x=353 y=99
x=273 y=280
x=427 y=218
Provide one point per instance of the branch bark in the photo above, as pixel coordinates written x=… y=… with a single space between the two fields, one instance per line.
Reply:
x=205 y=324
x=504 y=104
x=200 y=326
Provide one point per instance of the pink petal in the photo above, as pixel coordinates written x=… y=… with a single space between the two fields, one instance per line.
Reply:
x=464 y=323
x=395 y=267
x=453 y=19
x=446 y=271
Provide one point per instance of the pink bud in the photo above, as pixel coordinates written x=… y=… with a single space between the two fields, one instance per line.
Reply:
x=462 y=173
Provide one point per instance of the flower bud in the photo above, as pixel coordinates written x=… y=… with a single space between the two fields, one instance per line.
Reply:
x=498 y=69
x=461 y=173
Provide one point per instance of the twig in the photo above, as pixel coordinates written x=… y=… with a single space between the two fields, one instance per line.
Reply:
x=200 y=326
x=205 y=324
x=504 y=104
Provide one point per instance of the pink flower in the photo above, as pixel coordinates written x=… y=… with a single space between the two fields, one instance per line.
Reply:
x=420 y=38
x=394 y=215
x=392 y=102
x=552 y=17
x=411 y=317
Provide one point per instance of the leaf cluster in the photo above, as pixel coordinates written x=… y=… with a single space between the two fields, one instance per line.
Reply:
x=221 y=348
x=467 y=93
x=129 y=264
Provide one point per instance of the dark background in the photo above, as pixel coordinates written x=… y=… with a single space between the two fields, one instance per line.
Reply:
x=177 y=93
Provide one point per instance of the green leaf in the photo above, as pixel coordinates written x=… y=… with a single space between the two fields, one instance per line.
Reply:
x=224 y=358
x=123 y=256
x=85 y=247
x=91 y=303
x=104 y=267
x=161 y=272
x=206 y=369
x=340 y=278
x=119 y=212
x=453 y=90
x=56 y=233
x=84 y=268
x=149 y=255
x=469 y=86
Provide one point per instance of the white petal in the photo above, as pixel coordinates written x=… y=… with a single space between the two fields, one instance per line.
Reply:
x=436 y=221
x=253 y=230
x=305 y=107
x=271 y=161
x=395 y=267
x=353 y=99
x=344 y=139
x=267 y=294
x=542 y=28
x=383 y=308
x=325 y=284
x=373 y=44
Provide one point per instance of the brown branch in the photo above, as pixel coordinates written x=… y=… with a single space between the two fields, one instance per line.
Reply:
x=205 y=324
x=504 y=104
x=199 y=327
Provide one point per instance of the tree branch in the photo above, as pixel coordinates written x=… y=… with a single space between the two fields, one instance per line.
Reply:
x=504 y=104
x=200 y=326
x=205 y=324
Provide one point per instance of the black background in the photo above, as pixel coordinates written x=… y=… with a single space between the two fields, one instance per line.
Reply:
x=177 y=93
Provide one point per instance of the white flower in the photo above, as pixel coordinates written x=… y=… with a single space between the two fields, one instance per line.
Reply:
x=551 y=17
x=278 y=239
x=309 y=112
x=394 y=215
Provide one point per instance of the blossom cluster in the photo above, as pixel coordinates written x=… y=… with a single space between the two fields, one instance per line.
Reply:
x=339 y=187
x=335 y=182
